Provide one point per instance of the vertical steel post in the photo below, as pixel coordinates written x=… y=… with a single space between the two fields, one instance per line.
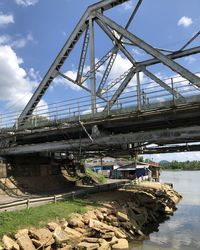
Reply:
x=92 y=67
x=172 y=82
x=138 y=91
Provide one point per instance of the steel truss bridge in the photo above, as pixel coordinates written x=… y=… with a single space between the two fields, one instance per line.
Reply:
x=123 y=116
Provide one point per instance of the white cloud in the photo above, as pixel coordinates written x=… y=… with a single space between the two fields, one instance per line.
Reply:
x=190 y=59
x=21 y=42
x=4 y=39
x=18 y=42
x=185 y=21
x=26 y=2
x=72 y=74
x=15 y=83
x=128 y=5
x=138 y=52
x=6 y=19
x=62 y=81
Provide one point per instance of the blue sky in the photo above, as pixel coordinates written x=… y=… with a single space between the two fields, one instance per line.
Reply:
x=33 y=31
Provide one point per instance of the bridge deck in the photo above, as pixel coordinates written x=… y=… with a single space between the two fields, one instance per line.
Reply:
x=159 y=123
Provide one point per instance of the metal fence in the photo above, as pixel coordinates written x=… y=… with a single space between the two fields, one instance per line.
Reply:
x=151 y=95
x=30 y=202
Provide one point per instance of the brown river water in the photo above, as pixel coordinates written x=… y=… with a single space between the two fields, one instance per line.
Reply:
x=182 y=230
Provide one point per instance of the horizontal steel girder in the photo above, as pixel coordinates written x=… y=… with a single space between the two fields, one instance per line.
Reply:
x=174 y=55
x=164 y=136
x=172 y=149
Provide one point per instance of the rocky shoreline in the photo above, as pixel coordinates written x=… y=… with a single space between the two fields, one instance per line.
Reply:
x=120 y=217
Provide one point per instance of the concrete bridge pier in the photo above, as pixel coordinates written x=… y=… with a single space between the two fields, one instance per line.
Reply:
x=40 y=172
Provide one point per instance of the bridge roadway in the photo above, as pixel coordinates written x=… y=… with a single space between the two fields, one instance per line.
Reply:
x=121 y=129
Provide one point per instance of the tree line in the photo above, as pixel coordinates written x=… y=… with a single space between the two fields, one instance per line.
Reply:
x=176 y=165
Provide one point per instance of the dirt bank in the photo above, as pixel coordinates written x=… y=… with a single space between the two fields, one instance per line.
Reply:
x=120 y=216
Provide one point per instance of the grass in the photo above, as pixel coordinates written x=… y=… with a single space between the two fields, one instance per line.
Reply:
x=37 y=217
x=96 y=176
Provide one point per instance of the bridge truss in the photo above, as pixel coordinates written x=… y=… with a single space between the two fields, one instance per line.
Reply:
x=110 y=93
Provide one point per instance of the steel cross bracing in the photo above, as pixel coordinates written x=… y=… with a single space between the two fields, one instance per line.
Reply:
x=121 y=38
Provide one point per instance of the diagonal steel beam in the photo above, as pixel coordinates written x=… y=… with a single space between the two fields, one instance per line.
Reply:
x=118 y=44
x=161 y=83
x=191 y=40
x=107 y=72
x=132 y=16
x=56 y=65
x=127 y=54
x=73 y=81
x=83 y=55
x=120 y=89
x=150 y=50
x=117 y=80
x=79 y=84
x=114 y=55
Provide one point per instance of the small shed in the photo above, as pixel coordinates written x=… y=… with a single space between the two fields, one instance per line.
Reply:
x=131 y=171
x=155 y=171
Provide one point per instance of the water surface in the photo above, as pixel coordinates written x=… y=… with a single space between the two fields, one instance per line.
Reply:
x=182 y=231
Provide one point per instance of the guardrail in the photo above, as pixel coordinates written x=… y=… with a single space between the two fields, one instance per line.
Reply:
x=151 y=93
x=61 y=197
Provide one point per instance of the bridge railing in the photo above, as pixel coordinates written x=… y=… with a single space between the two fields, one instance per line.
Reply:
x=152 y=95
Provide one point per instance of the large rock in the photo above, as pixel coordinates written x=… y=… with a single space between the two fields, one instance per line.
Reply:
x=25 y=243
x=122 y=217
x=146 y=198
x=74 y=236
x=41 y=237
x=91 y=240
x=89 y=215
x=81 y=230
x=113 y=241
x=52 y=226
x=107 y=235
x=100 y=226
x=168 y=210
x=105 y=210
x=48 y=248
x=60 y=235
x=9 y=244
x=73 y=232
x=119 y=233
x=67 y=247
x=121 y=245
x=76 y=220
x=99 y=214
x=104 y=245
x=87 y=246
x=21 y=232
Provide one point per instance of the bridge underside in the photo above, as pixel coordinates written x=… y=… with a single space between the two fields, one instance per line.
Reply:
x=128 y=132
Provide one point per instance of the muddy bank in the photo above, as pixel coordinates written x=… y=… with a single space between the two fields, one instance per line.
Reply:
x=122 y=216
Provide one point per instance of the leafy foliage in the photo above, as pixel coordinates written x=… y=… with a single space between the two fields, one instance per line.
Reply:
x=187 y=165
x=96 y=176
